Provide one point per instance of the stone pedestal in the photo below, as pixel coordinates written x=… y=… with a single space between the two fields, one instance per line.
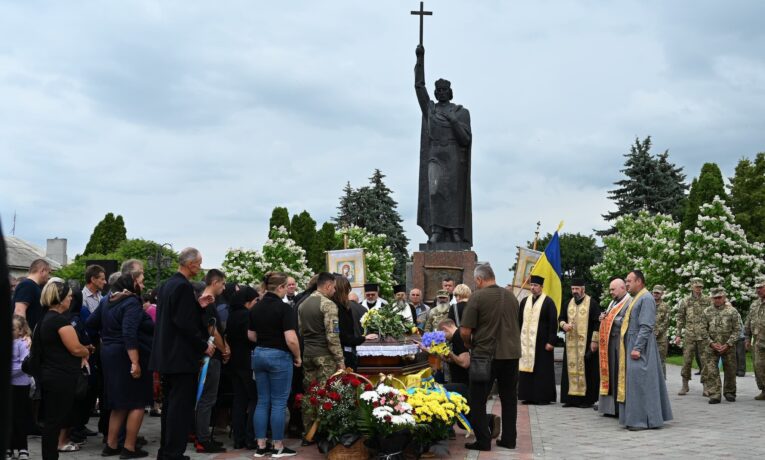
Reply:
x=430 y=267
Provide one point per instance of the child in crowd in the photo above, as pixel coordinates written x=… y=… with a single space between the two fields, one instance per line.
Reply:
x=21 y=409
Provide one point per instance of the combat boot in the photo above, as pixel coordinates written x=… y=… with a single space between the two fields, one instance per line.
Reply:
x=684 y=391
x=761 y=396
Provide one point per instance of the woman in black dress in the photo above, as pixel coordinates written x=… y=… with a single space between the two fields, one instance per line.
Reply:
x=126 y=337
x=62 y=358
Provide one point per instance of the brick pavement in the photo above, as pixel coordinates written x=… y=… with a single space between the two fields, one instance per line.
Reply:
x=700 y=430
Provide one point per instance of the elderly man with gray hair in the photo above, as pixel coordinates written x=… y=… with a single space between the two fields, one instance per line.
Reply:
x=180 y=342
x=491 y=329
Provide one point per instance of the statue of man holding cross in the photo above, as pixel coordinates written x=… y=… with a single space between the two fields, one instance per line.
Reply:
x=444 y=205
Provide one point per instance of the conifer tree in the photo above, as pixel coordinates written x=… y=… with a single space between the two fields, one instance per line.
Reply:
x=703 y=190
x=653 y=184
x=280 y=217
x=747 y=197
x=303 y=232
x=107 y=235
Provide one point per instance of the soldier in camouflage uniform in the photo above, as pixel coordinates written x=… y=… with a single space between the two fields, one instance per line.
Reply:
x=754 y=331
x=690 y=325
x=439 y=312
x=661 y=326
x=320 y=330
x=721 y=321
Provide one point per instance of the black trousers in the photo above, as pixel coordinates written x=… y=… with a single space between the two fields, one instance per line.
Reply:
x=178 y=406
x=57 y=406
x=21 y=416
x=243 y=405
x=505 y=371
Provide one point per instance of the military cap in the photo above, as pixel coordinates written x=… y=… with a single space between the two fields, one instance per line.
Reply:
x=659 y=289
x=718 y=292
x=759 y=281
x=442 y=293
x=696 y=282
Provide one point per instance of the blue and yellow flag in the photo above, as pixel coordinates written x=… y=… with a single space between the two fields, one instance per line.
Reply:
x=548 y=267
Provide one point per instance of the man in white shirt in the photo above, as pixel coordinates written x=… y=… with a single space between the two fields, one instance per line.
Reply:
x=95 y=280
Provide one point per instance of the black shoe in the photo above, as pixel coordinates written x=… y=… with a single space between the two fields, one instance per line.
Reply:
x=476 y=446
x=506 y=445
x=239 y=445
x=109 y=452
x=215 y=443
x=584 y=406
x=261 y=452
x=137 y=453
x=569 y=405
x=208 y=447
x=740 y=374
x=306 y=442
x=140 y=441
x=283 y=452
x=697 y=373
x=730 y=398
x=155 y=413
x=714 y=401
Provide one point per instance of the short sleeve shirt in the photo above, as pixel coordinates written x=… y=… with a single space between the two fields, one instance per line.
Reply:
x=458 y=373
x=269 y=319
x=29 y=292
x=492 y=313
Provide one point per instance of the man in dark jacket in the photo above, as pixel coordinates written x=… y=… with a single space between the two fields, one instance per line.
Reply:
x=179 y=344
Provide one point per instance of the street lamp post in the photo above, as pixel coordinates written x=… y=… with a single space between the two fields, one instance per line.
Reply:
x=161 y=261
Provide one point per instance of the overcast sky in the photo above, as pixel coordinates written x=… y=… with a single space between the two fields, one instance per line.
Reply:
x=194 y=119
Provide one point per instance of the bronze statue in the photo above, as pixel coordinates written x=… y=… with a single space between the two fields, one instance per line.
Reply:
x=444 y=204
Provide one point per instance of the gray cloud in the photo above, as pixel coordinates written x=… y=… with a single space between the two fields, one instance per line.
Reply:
x=195 y=120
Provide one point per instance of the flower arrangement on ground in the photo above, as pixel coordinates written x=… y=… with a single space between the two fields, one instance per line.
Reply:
x=386 y=410
x=386 y=321
x=435 y=343
x=335 y=405
x=436 y=410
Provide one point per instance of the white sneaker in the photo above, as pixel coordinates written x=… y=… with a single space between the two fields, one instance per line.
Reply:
x=23 y=454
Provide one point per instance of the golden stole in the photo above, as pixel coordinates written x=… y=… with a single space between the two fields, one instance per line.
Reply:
x=529 y=333
x=622 y=386
x=605 y=334
x=576 y=345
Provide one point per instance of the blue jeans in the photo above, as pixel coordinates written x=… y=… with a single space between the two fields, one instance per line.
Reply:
x=273 y=375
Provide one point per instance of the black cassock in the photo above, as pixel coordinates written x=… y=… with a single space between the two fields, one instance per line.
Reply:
x=591 y=365
x=538 y=387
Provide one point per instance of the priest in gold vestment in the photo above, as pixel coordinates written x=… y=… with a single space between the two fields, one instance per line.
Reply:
x=579 y=386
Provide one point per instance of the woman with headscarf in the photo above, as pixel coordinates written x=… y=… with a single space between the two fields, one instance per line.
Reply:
x=126 y=338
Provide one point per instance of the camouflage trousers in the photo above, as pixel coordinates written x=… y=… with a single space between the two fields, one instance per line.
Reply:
x=691 y=349
x=319 y=369
x=663 y=347
x=712 y=373
x=758 y=359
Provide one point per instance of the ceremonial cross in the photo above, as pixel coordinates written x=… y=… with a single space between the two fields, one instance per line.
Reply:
x=422 y=13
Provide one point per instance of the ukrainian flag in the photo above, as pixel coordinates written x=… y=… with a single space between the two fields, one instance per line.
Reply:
x=548 y=267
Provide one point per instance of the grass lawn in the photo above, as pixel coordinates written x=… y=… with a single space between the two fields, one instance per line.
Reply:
x=678 y=360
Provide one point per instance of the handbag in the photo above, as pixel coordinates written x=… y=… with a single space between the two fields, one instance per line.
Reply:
x=32 y=363
x=480 y=366
x=81 y=385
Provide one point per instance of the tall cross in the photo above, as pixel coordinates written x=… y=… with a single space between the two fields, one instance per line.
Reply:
x=422 y=13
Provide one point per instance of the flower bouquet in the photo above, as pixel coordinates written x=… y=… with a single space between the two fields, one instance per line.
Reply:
x=387 y=417
x=436 y=346
x=387 y=322
x=335 y=406
x=436 y=410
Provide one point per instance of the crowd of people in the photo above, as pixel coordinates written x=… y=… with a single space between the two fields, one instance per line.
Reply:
x=192 y=349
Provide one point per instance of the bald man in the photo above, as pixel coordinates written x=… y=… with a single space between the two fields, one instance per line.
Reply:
x=608 y=347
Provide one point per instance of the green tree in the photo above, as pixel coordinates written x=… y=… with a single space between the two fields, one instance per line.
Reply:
x=143 y=250
x=747 y=197
x=578 y=254
x=703 y=190
x=303 y=232
x=107 y=235
x=280 y=217
x=372 y=207
x=653 y=184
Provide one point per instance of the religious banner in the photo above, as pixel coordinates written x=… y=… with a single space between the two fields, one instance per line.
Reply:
x=350 y=264
x=525 y=261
